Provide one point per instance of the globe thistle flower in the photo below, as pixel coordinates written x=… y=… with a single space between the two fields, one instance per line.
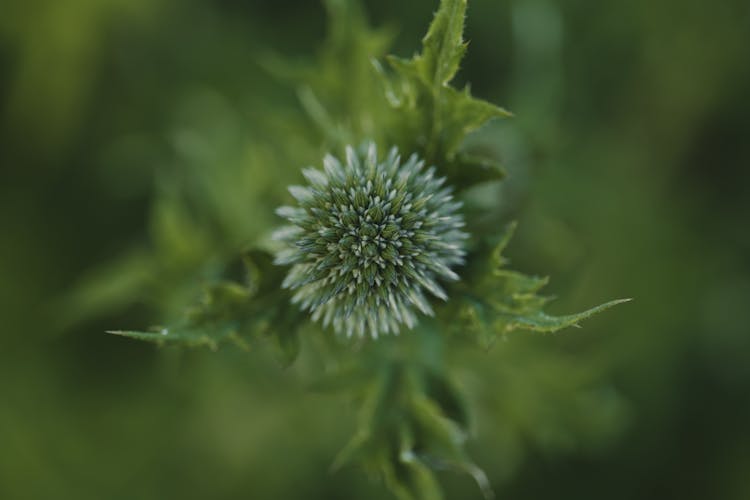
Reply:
x=368 y=238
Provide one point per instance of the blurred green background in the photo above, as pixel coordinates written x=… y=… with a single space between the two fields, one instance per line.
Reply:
x=629 y=163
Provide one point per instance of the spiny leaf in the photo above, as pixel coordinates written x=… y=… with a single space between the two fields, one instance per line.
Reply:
x=463 y=114
x=470 y=170
x=411 y=424
x=494 y=300
x=541 y=322
x=236 y=313
x=184 y=337
x=432 y=117
x=443 y=45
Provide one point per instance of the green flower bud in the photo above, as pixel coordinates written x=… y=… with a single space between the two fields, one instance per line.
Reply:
x=367 y=239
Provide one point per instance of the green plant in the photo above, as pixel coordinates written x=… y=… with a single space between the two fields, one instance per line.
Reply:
x=414 y=419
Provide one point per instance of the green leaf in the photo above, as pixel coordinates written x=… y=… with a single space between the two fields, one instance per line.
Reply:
x=461 y=115
x=432 y=117
x=541 y=322
x=230 y=312
x=185 y=337
x=468 y=170
x=493 y=299
x=411 y=424
x=443 y=46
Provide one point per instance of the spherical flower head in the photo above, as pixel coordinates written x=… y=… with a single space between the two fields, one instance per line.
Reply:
x=367 y=239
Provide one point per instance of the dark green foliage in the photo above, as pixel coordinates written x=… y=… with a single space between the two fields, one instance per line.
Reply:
x=142 y=148
x=413 y=419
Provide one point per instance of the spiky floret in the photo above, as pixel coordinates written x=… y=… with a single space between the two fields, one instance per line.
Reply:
x=368 y=238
